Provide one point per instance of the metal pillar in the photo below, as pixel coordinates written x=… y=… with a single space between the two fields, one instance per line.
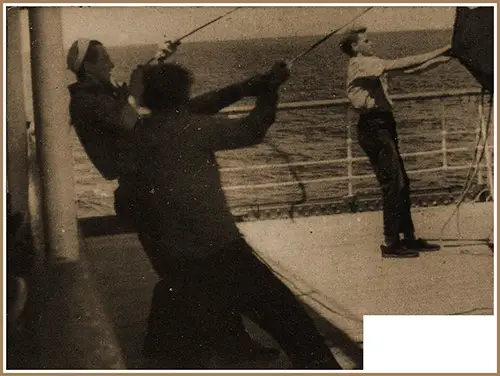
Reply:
x=17 y=149
x=52 y=129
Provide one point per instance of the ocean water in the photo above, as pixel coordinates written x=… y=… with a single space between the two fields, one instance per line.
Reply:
x=311 y=135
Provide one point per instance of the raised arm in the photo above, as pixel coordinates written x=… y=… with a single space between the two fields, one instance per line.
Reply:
x=136 y=85
x=214 y=101
x=414 y=60
x=222 y=133
x=431 y=64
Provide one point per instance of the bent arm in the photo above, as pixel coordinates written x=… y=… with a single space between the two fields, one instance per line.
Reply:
x=223 y=134
x=414 y=60
x=214 y=101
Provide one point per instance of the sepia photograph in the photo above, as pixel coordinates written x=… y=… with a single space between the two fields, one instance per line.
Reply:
x=248 y=186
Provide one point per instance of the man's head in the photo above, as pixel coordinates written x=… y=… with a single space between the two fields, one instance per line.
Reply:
x=166 y=86
x=357 y=43
x=89 y=57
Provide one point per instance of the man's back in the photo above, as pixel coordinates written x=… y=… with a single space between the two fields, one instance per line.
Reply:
x=182 y=200
x=179 y=172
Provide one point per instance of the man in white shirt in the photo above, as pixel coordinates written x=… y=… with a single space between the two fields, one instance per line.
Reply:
x=367 y=89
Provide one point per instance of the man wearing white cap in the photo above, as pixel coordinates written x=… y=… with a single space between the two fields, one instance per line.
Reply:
x=106 y=123
x=367 y=89
x=103 y=113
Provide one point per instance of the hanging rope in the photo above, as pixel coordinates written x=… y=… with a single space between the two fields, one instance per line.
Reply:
x=479 y=151
x=286 y=157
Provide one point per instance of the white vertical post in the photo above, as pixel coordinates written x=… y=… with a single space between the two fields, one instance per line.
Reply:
x=54 y=147
x=487 y=151
x=480 y=180
x=444 y=132
x=349 y=153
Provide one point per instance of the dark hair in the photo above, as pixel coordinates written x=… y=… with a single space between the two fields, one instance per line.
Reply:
x=91 y=56
x=166 y=86
x=349 y=40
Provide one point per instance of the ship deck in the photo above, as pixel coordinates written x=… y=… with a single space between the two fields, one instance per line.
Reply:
x=333 y=263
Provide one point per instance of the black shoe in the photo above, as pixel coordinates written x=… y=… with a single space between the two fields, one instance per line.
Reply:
x=420 y=245
x=397 y=251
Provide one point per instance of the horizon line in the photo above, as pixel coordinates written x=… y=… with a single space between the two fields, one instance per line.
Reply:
x=108 y=45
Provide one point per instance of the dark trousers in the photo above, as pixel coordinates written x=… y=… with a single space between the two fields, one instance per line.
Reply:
x=131 y=208
x=197 y=305
x=378 y=138
x=190 y=320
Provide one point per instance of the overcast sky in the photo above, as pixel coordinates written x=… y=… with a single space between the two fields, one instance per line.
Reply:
x=131 y=25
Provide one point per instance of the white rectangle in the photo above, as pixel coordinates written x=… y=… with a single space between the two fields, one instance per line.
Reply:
x=458 y=344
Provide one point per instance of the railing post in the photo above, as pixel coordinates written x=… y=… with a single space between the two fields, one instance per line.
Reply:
x=480 y=180
x=350 y=192
x=443 y=135
x=487 y=151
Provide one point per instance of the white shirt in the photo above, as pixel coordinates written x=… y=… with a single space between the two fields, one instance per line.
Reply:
x=367 y=84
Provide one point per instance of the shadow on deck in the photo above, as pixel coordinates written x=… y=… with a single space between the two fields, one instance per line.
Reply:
x=331 y=262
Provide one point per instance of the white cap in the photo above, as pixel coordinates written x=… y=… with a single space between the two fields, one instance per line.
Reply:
x=76 y=54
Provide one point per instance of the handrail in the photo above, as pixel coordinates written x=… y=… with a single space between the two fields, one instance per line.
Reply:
x=349 y=200
x=335 y=178
x=349 y=159
x=325 y=103
x=332 y=161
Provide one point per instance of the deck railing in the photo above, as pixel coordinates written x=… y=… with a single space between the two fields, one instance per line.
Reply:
x=99 y=225
x=350 y=177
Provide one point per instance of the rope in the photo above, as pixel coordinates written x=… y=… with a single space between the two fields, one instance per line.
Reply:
x=300 y=293
x=292 y=171
x=479 y=151
x=474 y=166
x=205 y=25
x=177 y=41
x=326 y=37
x=280 y=152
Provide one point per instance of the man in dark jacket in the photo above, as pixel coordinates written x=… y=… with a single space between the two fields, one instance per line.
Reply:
x=107 y=123
x=105 y=118
x=184 y=210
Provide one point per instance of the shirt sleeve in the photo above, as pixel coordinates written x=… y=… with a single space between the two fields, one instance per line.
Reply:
x=367 y=67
